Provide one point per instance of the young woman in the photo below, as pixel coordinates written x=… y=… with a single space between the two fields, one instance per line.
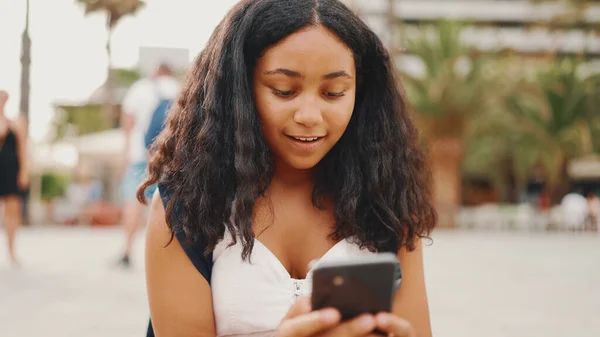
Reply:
x=13 y=174
x=289 y=144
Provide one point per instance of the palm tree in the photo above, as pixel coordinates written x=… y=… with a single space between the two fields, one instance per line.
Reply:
x=554 y=122
x=458 y=95
x=115 y=10
x=490 y=155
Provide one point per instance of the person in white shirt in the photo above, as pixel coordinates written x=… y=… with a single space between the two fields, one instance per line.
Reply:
x=574 y=210
x=138 y=106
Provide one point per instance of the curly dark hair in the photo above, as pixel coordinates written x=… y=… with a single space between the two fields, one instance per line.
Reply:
x=214 y=163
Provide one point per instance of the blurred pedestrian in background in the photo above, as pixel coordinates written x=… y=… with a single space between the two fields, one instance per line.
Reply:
x=14 y=177
x=574 y=210
x=138 y=106
x=593 y=214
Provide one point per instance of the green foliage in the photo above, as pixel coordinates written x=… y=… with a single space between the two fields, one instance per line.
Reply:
x=595 y=132
x=548 y=121
x=89 y=118
x=124 y=77
x=535 y=116
x=80 y=120
x=458 y=87
x=555 y=122
x=54 y=185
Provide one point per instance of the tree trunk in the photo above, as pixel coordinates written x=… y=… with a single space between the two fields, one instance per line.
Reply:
x=25 y=66
x=563 y=185
x=108 y=106
x=509 y=180
x=445 y=159
x=24 y=99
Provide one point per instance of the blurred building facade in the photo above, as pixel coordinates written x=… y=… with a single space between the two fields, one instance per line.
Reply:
x=519 y=25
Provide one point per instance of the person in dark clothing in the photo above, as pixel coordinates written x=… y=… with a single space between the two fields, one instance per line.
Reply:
x=13 y=174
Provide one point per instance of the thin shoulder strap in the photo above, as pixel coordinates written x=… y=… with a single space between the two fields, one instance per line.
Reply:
x=9 y=131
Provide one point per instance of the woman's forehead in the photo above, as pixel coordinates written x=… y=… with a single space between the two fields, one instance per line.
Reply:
x=314 y=49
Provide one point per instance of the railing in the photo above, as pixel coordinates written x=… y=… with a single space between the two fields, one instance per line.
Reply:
x=521 y=217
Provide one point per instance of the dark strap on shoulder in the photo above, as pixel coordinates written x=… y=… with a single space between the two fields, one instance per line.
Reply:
x=195 y=252
x=150 y=331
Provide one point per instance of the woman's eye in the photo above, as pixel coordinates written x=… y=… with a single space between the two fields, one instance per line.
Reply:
x=334 y=94
x=283 y=93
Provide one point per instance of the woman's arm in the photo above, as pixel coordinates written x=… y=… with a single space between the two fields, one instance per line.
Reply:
x=410 y=302
x=20 y=128
x=180 y=298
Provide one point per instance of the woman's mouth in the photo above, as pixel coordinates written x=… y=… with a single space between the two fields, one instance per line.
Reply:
x=306 y=139
x=305 y=144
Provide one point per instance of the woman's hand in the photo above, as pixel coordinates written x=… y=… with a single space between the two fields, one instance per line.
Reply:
x=394 y=325
x=23 y=180
x=300 y=321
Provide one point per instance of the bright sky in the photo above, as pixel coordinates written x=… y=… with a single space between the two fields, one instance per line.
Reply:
x=68 y=53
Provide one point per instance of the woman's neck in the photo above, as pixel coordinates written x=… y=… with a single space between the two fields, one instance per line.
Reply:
x=287 y=177
x=292 y=184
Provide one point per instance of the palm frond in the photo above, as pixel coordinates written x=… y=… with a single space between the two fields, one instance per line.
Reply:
x=115 y=9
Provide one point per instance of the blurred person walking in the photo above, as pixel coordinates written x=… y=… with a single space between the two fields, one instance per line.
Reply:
x=139 y=104
x=14 y=177
x=574 y=210
x=593 y=213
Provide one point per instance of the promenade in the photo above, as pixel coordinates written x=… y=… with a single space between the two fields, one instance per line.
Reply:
x=480 y=284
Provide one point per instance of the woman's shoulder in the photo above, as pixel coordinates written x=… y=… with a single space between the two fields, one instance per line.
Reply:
x=167 y=264
x=18 y=124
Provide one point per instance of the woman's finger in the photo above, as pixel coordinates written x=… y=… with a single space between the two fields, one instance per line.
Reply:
x=308 y=324
x=394 y=325
x=359 y=326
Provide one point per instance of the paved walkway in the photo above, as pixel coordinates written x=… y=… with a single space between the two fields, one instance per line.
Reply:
x=480 y=285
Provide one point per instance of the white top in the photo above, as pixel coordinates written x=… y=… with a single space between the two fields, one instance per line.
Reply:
x=250 y=299
x=574 y=208
x=140 y=102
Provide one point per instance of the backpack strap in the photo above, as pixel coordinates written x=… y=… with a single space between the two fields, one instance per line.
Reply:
x=157 y=121
x=158 y=117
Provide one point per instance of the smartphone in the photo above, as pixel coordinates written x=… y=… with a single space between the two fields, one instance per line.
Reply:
x=354 y=287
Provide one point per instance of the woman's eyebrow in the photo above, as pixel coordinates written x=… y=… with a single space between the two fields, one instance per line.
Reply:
x=295 y=74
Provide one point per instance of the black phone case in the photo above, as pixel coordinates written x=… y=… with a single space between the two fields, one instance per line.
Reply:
x=357 y=287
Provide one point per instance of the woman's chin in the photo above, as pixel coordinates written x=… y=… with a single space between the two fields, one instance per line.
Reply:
x=301 y=163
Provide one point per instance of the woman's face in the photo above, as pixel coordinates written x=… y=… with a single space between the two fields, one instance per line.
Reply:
x=305 y=88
